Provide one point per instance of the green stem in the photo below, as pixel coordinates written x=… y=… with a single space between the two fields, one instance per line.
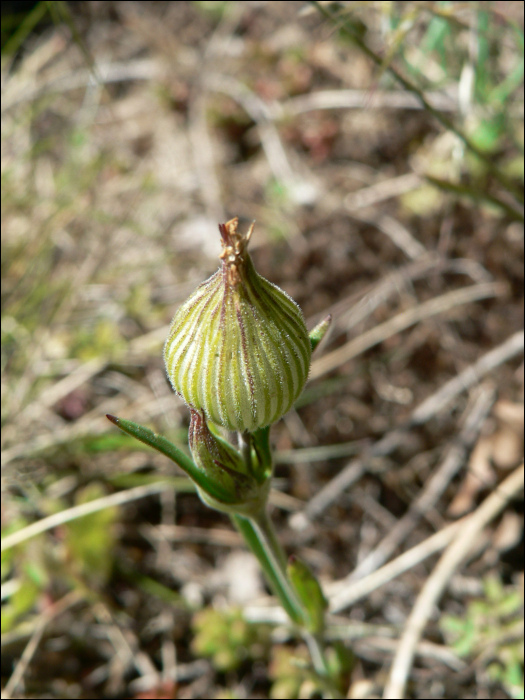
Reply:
x=245 y=445
x=271 y=563
x=261 y=444
x=267 y=532
x=259 y=534
x=256 y=528
x=316 y=648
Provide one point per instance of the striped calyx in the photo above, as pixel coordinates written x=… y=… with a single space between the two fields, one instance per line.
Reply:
x=238 y=348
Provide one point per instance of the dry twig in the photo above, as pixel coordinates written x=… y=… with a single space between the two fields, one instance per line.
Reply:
x=398 y=234
x=301 y=191
x=45 y=618
x=440 y=577
x=469 y=377
x=404 y=320
x=436 y=485
x=363 y=99
x=430 y=407
x=350 y=591
x=65 y=516
x=386 y=189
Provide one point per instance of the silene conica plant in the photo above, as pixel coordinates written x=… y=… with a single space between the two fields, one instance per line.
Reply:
x=238 y=353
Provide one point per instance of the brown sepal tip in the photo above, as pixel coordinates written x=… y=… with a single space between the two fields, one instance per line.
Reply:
x=234 y=245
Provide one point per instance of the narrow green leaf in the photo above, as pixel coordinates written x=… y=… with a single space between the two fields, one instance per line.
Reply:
x=309 y=592
x=167 y=448
x=319 y=332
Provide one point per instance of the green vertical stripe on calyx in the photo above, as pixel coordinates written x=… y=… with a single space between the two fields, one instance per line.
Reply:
x=238 y=348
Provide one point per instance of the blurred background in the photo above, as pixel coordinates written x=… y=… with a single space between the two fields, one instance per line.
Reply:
x=379 y=148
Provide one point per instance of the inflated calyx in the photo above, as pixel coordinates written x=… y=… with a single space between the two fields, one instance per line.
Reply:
x=238 y=349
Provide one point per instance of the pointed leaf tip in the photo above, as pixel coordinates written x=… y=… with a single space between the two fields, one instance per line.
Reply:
x=319 y=332
x=309 y=592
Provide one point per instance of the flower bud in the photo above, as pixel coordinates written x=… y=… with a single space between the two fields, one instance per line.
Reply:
x=225 y=470
x=238 y=348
